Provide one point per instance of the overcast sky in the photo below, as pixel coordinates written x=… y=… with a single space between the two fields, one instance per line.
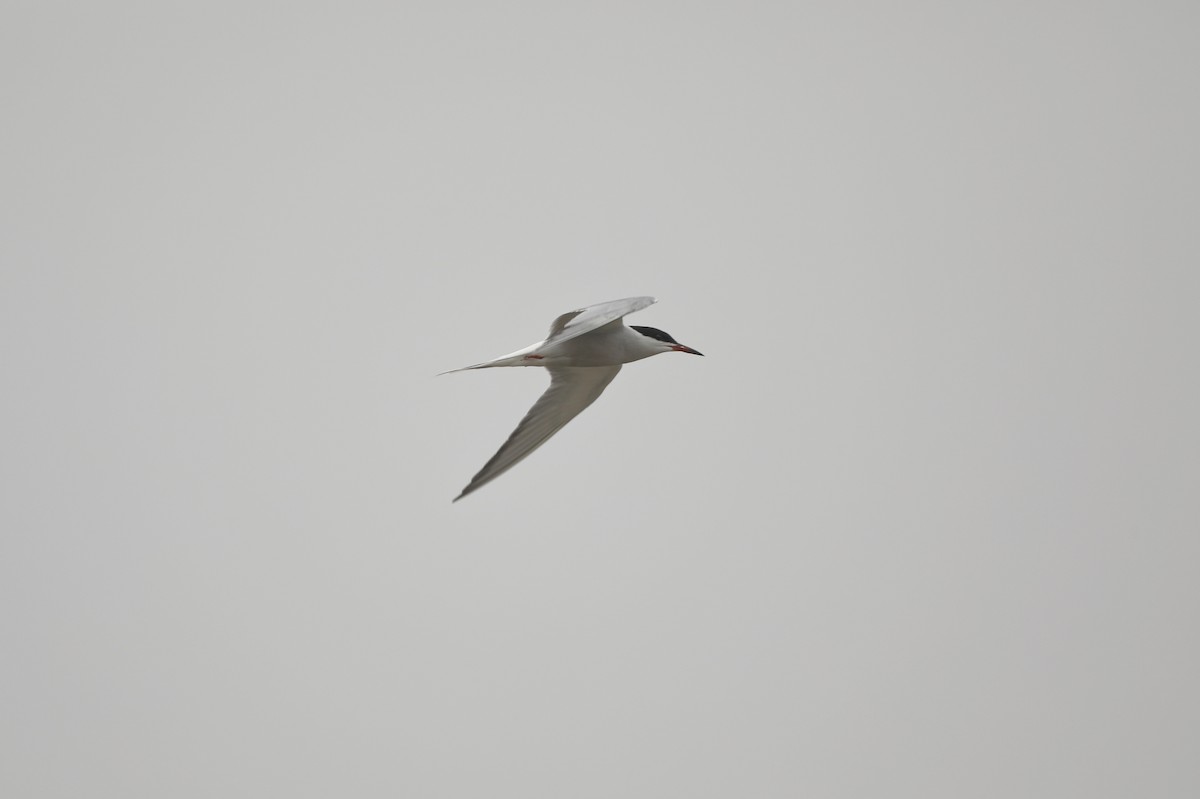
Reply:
x=923 y=523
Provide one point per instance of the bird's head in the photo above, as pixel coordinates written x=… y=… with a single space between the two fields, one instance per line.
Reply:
x=663 y=340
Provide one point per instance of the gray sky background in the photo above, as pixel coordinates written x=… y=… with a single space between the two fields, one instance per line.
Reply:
x=922 y=524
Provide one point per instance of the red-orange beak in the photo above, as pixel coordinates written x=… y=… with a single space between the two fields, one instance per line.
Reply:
x=681 y=348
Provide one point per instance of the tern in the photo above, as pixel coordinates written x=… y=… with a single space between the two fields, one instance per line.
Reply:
x=583 y=353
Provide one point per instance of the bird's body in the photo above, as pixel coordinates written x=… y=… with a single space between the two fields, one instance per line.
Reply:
x=583 y=353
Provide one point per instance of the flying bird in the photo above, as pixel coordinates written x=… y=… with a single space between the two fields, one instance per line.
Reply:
x=583 y=353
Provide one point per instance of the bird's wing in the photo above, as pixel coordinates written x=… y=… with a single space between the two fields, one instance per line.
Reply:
x=585 y=320
x=558 y=324
x=572 y=388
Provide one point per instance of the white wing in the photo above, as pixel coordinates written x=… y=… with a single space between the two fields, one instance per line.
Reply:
x=585 y=320
x=572 y=388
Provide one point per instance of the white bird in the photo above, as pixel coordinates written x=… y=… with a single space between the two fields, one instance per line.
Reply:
x=583 y=353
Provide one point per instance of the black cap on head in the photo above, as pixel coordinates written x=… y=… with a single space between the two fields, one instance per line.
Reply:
x=655 y=333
